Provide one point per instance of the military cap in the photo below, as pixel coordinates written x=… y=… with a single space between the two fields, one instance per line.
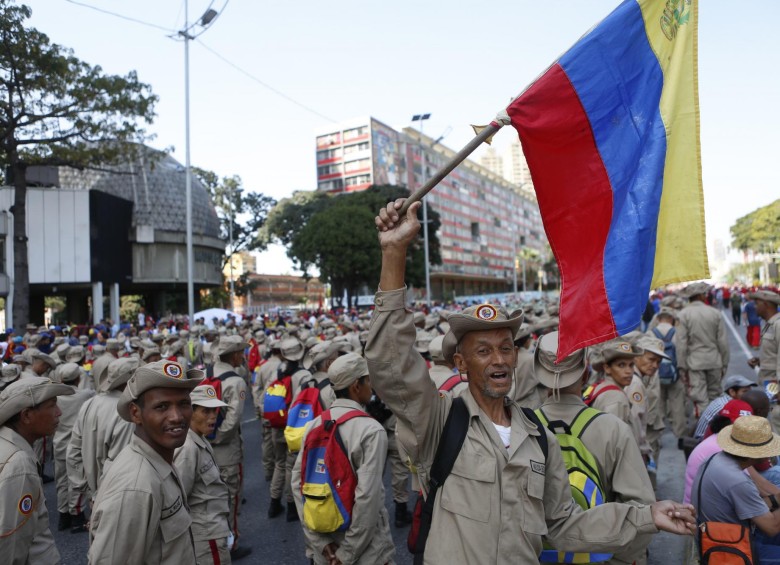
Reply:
x=346 y=370
x=482 y=317
x=160 y=374
x=28 y=393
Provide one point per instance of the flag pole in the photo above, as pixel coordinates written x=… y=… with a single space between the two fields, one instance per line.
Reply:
x=459 y=157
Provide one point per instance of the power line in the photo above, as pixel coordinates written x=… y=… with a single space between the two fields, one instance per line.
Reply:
x=128 y=18
x=263 y=84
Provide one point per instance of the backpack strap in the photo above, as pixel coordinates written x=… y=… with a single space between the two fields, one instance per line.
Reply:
x=450 y=443
x=542 y=437
x=451 y=383
x=223 y=376
x=601 y=391
x=583 y=419
x=699 y=519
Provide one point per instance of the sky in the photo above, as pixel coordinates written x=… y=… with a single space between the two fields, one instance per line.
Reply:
x=266 y=76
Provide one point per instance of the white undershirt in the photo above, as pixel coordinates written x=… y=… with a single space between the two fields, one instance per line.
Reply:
x=504 y=432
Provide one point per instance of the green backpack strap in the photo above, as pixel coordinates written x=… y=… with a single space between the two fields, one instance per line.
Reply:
x=583 y=419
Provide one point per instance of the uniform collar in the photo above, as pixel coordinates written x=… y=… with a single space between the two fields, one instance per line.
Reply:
x=160 y=465
x=196 y=438
x=568 y=399
x=347 y=403
x=13 y=437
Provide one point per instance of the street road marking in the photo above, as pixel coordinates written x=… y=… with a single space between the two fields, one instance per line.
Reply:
x=249 y=420
x=745 y=350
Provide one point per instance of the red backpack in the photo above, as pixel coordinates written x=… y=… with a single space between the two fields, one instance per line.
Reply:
x=452 y=382
x=276 y=402
x=588 y=397
x=328 y=480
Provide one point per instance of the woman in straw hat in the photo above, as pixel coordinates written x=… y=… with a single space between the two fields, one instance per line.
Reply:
x=724 y=493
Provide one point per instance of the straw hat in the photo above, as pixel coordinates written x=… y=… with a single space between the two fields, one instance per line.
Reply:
x=750 y=436
x=483 y=317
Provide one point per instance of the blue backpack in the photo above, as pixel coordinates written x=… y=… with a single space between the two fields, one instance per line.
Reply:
x=667 y=371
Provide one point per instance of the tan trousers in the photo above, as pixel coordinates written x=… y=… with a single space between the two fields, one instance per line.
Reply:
x=291 y=457
x=704 y=387
x=268 y=452
x=233 y=476
x=213 y=551
x=672 y=406
x=280 y=463
x=399 y=471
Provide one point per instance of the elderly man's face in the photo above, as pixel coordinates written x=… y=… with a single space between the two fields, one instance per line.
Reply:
x=488 y=357
x=648 y=363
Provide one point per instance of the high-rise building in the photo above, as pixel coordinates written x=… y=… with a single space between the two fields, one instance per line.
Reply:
x=485 y=220
x=515 y=166
x=492 y=161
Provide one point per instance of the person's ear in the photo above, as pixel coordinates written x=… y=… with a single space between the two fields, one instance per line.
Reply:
x=135 y=413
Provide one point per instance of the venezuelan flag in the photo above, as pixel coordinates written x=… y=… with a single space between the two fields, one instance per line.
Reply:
x=611 y=135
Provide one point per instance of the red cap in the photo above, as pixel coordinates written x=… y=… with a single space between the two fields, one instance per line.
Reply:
x=736 y=408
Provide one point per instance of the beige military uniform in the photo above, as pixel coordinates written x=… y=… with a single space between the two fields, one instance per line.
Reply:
x=769 y=370
x=228 y=443
x=193 y=352
x=104 y=434
x=498 y=502
x=613 y=402
x=74 y=461
x=441 y=374
x=621 y=468
x=69 y=405
x=367 y=541
x=141 y=514
x=207 y=497
x=702 y=350
x=99 y=368
x=671 y=398
x=637 y=397
x=265 y=376
x=25 y=536
x=526 y=390
x=654 y=417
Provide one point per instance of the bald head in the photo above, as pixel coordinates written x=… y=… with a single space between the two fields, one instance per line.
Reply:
x=758 y=400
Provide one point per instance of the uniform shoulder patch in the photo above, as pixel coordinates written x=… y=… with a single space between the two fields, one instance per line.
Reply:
x=242 y=395
x=26 y=504
x=637 y=397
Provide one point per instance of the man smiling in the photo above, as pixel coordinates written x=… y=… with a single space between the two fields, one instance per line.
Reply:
x=141 y=513
x=503 y=493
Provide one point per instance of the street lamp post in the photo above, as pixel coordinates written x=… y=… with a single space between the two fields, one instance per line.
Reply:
x=421 y=118
x=206 y=19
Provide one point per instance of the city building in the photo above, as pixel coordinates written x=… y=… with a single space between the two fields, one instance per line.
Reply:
x=485 y=220
x=117 y=230
x=272 y=292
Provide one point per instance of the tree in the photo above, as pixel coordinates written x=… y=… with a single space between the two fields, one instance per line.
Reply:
x=56 y=110
x=233 y=204
x=758 y=231
x=336 y=234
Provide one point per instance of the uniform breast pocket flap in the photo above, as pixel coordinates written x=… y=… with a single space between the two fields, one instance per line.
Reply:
x=533 y=512
x=468 y=491
x=174 y=521
x=209 y=472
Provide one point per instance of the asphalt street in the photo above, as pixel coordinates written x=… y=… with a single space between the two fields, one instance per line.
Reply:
x=279 y=542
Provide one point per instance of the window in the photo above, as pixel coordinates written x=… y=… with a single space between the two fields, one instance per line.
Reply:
x=333 y=184
x=351 y=166
x=328 y=153
x=474 y=231
x=355 y=132
x=356 y=147
x=331 y=169
x=328 y=139
x=360 y=179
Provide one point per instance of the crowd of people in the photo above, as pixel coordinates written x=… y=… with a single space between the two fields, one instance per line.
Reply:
x=467 y=403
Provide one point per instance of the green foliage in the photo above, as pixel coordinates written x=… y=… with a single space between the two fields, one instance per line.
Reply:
x=246 y=211
x=758 y=231
x=745 y=273
x=56 y=110
x=337 y=235
x=129 y=306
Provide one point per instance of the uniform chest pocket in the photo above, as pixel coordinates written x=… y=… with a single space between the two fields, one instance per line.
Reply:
x=174 y=520
x=533 y=511
x=468 y=491
x=209 y=472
